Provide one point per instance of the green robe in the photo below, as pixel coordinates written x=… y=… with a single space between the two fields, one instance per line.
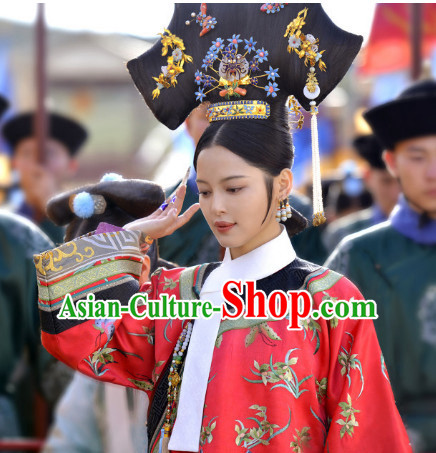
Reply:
x=54 y=233
x=349 y=224
x=400 y=275
x=19 y=319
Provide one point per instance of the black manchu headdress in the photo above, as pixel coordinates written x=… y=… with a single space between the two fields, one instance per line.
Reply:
x=243 y=59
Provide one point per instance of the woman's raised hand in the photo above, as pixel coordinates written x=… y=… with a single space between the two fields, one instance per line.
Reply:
x=166 y=219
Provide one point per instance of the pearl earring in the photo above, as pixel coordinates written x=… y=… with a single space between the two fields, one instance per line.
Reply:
x=278 y=211
x=283 y=212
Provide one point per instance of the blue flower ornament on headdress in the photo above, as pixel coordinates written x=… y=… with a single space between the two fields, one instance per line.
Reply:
x=232 y=65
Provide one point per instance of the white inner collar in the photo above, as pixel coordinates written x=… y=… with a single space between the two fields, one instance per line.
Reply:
x=255 y=265
x=259 y=263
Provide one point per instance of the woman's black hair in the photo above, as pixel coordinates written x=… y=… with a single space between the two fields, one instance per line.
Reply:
x=265 y=144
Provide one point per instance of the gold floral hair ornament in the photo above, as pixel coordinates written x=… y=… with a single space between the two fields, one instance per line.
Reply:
x=306 y=46
x=175 y=62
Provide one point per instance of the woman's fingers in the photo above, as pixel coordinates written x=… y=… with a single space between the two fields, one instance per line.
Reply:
x=172 y=221
x=155 y=214
x=187 y=215
x=165 y=221
x=177 y=200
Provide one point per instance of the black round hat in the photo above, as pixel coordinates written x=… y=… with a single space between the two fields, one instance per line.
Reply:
x=61 y=128
x=113 y=200
x=4 y=104
x=408 y=116
x=369 y=148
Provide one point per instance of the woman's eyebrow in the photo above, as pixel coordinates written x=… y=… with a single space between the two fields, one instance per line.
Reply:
x=224 y=179
x=233 y=177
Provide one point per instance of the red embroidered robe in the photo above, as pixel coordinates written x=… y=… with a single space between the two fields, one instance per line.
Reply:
x=322 y=389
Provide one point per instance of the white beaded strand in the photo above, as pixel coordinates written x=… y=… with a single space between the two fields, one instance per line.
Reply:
x=318 y=209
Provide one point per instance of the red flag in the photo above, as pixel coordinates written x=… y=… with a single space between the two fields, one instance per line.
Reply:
x=389 y=45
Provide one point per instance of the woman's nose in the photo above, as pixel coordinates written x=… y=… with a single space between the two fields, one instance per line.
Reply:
x=218 y=204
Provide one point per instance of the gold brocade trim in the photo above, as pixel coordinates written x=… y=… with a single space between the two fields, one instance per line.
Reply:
x=44 y=305
x=83 y=251
x=57 y=255
x=88 y=276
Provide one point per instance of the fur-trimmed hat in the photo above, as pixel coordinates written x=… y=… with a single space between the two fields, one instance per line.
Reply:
x=113 y=200
x=61 y=128
x=408 y=116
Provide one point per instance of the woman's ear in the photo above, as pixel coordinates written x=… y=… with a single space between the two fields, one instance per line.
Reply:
x=145 y=270
x=285 y=179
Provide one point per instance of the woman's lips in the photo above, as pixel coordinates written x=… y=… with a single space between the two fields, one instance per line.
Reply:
x=223 y=227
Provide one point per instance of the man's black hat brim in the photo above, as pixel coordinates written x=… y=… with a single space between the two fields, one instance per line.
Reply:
x=410 y=115
x=65 y=130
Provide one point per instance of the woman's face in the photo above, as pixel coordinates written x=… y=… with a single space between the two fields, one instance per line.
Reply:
x=234 y=200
